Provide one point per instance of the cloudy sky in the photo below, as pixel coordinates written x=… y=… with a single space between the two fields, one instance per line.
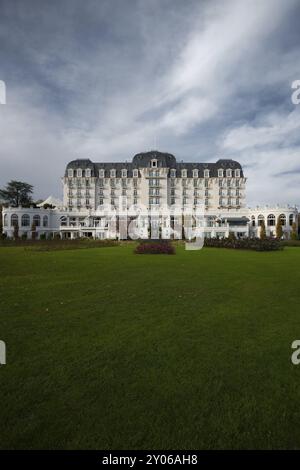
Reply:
x=105 y=79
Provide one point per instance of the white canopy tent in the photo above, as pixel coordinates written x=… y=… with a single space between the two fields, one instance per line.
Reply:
x=52 y=201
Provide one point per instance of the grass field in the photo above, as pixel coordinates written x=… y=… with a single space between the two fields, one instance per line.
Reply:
x=110 y=350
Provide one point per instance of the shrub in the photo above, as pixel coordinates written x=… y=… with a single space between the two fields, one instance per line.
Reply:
x=263 y=234
x=43 y=236
x=279 y=229
x=294 y=234
x=256 y=244
x=155 y=248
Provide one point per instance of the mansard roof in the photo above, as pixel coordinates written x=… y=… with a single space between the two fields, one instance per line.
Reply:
x=164 y=160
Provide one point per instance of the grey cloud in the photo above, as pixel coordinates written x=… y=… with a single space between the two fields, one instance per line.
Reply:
x=108 y=79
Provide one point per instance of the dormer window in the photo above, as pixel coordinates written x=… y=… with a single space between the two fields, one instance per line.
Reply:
x=237 y=173
x=206 y=173
x=112 y=173
x=195 y=173
x=173 y=173
x=228 y=173
x=220 y=173
x=183 y=173
x=153 y=163
x=124 y=173
x=79 y=173
x=101 y=173
x=88 y=173
x=135 y=173
x=70 y=173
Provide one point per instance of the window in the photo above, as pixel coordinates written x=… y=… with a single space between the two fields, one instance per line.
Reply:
x=173 y=173
x=282 y=219
x=5 y=220
x=101 y=173
x=25 y=221
x=206 y=173
x=63 y=221
x=153 y=163
x=260 y=220
x=195 y=173
x=183 y=173
x=229 y=173
x=220 y=173
x=291 y=219
x=45 y=221
x=79 y=173
x=124 y=173
x=271 y=220
x=70 y=173
x=237 y=173
x=112 y=173
x=135 y=173
x=36 y=220
x=88 y=173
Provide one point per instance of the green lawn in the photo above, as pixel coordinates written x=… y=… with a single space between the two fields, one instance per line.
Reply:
x=110 y=350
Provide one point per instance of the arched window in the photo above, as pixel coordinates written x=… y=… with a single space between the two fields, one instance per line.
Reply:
x=271 y=220
x=14 y=220
x=291 y=219
x=45 y=221
x=253 y=220
x=260 y=220
x=36 y=220
x=25 y=220
x=63 y=220
x=282 y=219
x=5 y=220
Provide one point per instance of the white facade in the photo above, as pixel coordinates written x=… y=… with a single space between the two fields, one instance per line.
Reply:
x=152 y=180
x=270 y=215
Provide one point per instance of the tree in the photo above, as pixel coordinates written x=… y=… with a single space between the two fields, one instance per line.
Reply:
x=279 y=231
x=1 y=223
x=294 y=233
x=231 y=236
x=33 y=231
x=263 y=234
x=16 y=231
x=17 y=193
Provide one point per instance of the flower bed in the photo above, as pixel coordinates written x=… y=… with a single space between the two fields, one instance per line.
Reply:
x=155 y=248
x=256 y=244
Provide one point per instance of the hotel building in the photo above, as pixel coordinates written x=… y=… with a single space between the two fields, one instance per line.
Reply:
x=152 y=180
